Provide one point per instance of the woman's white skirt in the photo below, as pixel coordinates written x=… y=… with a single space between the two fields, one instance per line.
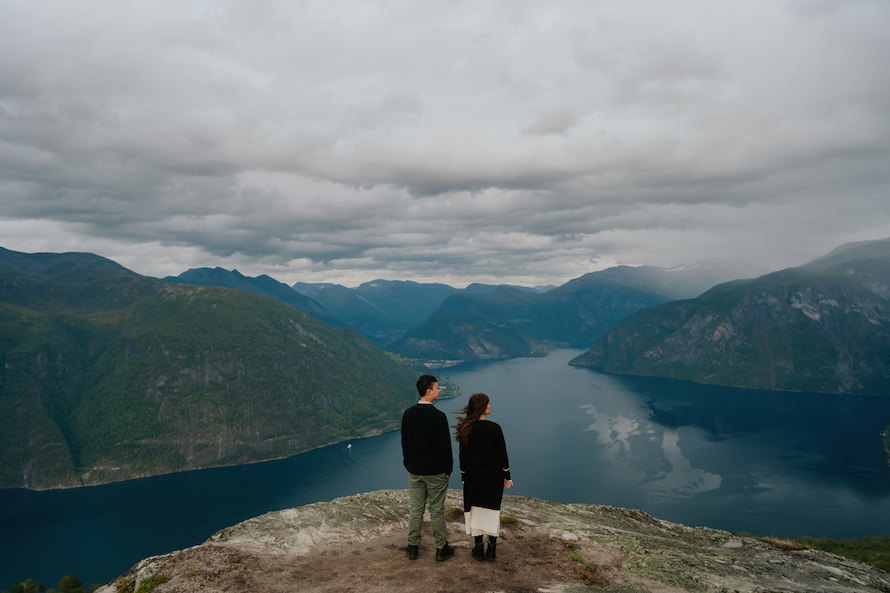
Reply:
x=482 y=521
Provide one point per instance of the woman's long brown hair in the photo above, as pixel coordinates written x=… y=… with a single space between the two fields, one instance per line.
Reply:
x=475 y=408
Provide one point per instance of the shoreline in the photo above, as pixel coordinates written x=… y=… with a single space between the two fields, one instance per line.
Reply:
x=370 y=434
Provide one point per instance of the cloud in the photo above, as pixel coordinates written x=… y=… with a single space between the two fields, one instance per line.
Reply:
x=557 y=121
x=458 y=141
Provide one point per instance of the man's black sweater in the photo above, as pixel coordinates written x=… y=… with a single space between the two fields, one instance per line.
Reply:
x=426 y=441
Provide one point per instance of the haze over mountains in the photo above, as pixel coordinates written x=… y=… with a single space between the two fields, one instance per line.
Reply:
x=483 y=321
x=507 y=322
x=821 y=327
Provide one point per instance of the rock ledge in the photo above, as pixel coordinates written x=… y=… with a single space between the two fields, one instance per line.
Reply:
x=356 y=543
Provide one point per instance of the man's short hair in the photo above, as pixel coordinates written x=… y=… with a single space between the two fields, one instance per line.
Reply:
x=424 y=383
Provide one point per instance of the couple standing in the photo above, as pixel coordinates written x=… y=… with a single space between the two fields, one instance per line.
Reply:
x=426 y=452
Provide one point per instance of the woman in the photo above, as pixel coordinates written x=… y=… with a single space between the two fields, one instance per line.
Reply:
x=485 y=471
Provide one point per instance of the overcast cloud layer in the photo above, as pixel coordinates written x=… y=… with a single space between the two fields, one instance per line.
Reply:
x=524 y=142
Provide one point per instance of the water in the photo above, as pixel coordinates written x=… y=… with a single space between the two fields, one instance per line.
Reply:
x=763 y=462
x=769 y=463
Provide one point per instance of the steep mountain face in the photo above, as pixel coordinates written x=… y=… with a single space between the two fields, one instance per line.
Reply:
x=264 y=285
x=381 y=310
x=108 y=375
x=509 y=322
x=475 y=327
x=822 y=327
x=407 y=303
x=355 y=311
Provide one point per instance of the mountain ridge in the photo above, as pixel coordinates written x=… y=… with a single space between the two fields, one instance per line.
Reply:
x=383 y=310
x=109 y=375
x=507 y=323
x=820 y=327
x=263 y=284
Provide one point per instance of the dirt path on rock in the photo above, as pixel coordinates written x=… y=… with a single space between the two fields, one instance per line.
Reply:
x=529 y=560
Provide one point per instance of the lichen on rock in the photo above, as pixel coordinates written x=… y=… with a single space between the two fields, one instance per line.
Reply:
x=356 y=543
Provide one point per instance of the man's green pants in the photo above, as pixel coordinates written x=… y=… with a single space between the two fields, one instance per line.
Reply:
x=420 y=490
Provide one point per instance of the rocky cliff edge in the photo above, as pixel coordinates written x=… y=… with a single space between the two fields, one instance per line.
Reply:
x=356 y=544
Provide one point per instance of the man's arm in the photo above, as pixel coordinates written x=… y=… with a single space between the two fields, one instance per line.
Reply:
x=445 y=443
x=405 y=436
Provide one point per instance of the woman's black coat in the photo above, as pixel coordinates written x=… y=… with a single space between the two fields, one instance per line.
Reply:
x=484 y=466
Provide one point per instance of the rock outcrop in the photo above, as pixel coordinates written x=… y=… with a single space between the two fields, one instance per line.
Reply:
x=356 y=543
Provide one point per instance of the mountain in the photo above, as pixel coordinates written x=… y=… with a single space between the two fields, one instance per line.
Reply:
x=677 y=282
x=543 y=546
x=383 y=310
x=821 y=327
x=355 y=311
x=109 y=375
x=479 y=288
x=509 y=322
x=406 y=303
x=260 y=285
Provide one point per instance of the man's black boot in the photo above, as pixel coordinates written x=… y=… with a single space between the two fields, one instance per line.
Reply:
x=444 y=553
x=412 y=552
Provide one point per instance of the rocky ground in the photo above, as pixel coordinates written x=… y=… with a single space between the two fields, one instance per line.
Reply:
x=356 y=544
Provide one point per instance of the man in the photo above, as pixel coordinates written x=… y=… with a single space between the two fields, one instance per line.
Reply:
x=426 y=453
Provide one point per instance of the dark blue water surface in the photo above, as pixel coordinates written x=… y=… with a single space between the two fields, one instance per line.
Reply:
x=763 y=462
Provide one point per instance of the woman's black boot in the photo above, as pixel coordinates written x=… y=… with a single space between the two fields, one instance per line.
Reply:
x=478 y=549
x=492 y=547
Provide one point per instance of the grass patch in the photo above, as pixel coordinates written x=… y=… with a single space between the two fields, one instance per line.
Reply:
x=783 y=544
x=871 y=550
x=509 y=520
x=591 y=573
x=151 y=582
x=454 y=514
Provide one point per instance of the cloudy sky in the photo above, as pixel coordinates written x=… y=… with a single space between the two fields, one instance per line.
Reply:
x=450 y=141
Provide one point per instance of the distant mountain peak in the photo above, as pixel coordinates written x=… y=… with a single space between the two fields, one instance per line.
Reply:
x=263 y=284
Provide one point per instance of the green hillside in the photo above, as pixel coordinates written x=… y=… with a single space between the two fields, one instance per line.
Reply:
x=109 y=375
x=823 y=327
